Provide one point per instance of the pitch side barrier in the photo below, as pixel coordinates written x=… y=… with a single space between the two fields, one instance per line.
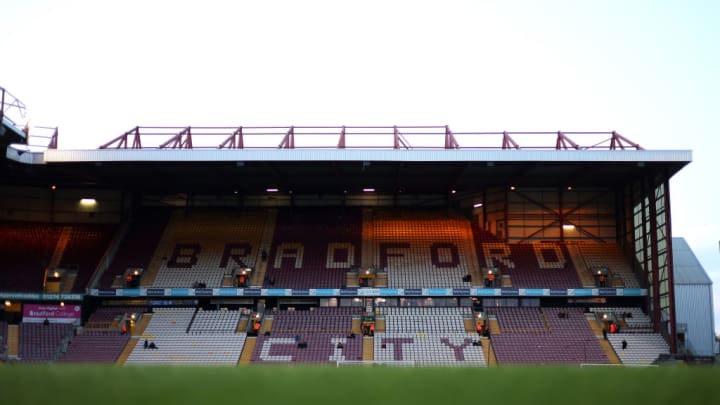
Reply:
x=368 y=292
x=20 y=296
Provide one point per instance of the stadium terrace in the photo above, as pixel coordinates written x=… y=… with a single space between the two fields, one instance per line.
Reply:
x=340 y=245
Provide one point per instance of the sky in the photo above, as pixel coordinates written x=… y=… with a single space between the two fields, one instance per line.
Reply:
x=647 y=69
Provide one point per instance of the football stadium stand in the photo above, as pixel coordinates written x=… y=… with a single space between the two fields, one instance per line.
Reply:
x=313 y=248
x=171 y=339
x=609 y=256
x=322 y=335
x=545 y=336
x=26 y=252
x=3 y=339
x=446 y=252
x=528 y=265
x=642 y=346
x=430 y=336
x=423 y=249
x=95 y=346
x=43 y=342
x=137 y=247
x=202 y=247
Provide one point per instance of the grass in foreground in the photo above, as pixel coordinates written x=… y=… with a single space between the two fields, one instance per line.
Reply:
x=73 y=384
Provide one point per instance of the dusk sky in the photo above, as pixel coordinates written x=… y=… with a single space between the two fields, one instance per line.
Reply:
x=647 y=69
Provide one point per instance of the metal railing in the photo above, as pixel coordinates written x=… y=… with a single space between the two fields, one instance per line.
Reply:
x=361 y=137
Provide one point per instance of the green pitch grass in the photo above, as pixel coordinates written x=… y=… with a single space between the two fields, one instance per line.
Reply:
x=269 y=385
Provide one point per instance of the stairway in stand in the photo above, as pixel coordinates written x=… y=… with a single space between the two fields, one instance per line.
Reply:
x=68 y=281
x=126 y=351
x=469 y=325
x=161 y=251
x=368 y=348
x=142 y=324
x=581 y=266
x=488 y=352
x=266 y=325
x=242 y=325
x=607 y=347
x=609 y=352
x=60 y=247
x=258 y=277
x=248 y=350
x=13 y=343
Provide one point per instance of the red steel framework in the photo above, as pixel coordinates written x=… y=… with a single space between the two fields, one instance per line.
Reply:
x=360 y=137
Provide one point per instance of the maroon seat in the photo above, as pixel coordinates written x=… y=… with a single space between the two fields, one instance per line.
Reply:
x=301 y=244
x=137 y=248
x=534 y=265
x=26 y=249
x=95 y=347
x=543 y=336
x=39 y=342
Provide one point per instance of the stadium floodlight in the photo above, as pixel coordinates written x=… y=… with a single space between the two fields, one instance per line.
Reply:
x=88 y=202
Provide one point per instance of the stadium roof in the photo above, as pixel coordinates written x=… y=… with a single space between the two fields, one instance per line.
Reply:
x=329 y=160
x=12 y=119
x=686 y=267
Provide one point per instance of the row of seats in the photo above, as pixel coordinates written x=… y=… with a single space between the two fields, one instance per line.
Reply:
x=93 y=346
x=545 y=336
x=423 y=249
x=639 y=348
x=310 y=347
x=427 y=336
x=40 y=342
x=529 y=265
x=215 y=322
x=631 y=318
x=104 y=315
x=204 y=349
x=3 y=339
x=320 y=335
x=182 y=336
x=611 y=256
x=194 y=244
x=429 y=349
x=422 y=311
x=642 y=346
x=312 y=248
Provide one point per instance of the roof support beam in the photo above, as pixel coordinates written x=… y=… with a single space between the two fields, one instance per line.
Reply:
x=177 y=141
x=288 y=141
x=618 y=141
x=563 y=141
x=234 y=141
x=450 y=141
x=508 y=142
